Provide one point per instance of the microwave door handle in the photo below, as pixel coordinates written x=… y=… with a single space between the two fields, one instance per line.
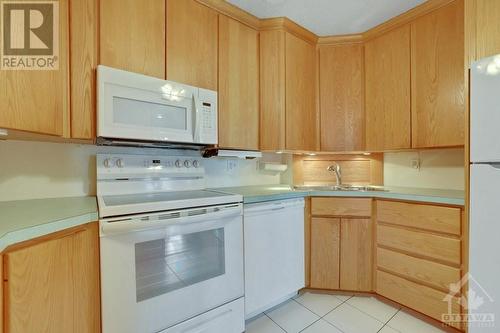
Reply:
x=196 y=117
x=130 y=225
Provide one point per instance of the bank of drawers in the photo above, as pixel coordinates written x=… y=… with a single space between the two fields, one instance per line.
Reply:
x=418 y=254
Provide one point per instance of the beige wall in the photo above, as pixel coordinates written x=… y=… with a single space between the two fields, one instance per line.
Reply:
x=33 y=170
x=441 y=168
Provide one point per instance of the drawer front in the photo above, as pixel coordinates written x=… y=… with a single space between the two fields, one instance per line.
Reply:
x=357 y=207
x=434 y=218
x=437 y=275
x=420 y=243
x=413 y=295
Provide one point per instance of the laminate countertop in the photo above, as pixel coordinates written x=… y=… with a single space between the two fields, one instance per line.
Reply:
x=23 y=220
x=254 y=194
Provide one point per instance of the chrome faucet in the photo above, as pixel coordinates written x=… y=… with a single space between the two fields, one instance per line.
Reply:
x=338 y=172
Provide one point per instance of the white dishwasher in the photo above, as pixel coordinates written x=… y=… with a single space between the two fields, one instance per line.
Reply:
x=274 y=253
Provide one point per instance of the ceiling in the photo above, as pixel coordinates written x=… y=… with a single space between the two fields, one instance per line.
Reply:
x=330 y=17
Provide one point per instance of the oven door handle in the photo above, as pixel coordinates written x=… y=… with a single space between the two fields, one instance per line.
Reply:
x=132 y=224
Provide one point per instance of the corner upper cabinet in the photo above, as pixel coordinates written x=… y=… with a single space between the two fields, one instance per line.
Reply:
x=192 y=43
x=438 y=80
x=288 y=92
x=238 y=85
x=388 y=86
x=37 y=101
x=341 y=91
x=132 y=35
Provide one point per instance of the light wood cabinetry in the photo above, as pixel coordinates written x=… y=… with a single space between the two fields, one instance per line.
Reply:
x=238 y=85
x=192 y=43
x=388 y=85
x=418 y=254
x=484 y=16
x=288 y=92
x=132 y=35
x=52 y=285
x=38 y=100
x=300 y=86
x=356 y=254
x=341 y=244
x=325 y=253
x=84 y=57
x=341 y=91
x=438 y=93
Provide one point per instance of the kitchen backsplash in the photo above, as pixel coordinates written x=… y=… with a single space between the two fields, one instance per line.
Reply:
x=439 y=168
x=32 y=170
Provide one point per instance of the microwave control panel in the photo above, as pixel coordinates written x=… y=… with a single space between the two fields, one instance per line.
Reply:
x=208 y=116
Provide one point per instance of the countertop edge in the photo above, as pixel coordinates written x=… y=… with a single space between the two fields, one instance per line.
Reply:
x=22 y=235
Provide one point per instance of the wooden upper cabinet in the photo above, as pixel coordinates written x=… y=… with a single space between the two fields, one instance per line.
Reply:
x=84 y=57
x=53 y=284
x=272 y=90
x=300 y=96
x=485 y=18
x=38 y=100
x=238 y=85
x=192 y=43
x=438 y=93
x=387 y=84
x=341 y=89
x=132 y=35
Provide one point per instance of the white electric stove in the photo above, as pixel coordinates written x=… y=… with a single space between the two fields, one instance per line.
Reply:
x=171 y=251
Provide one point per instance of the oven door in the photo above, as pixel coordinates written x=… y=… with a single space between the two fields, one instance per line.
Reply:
x=161 y=269
x=138 y=107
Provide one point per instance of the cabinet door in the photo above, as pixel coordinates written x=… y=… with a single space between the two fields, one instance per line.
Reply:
x=325 y=253
x=487 y=34
x=272 y=90
x=84 y=58
x=300 y=97
x=38 y=100
x=192 y=43
x=356 y=254
x=341 y=73
x=53 y=286
x=133 y=35
x=238 y=85
x=438 y=93
x=387 y=67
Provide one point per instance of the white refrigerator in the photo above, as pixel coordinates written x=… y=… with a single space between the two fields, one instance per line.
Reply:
x=484 y=255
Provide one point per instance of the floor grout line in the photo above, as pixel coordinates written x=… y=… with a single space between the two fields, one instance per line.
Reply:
x=388 y=323
x=366 y=313
x=275 y=323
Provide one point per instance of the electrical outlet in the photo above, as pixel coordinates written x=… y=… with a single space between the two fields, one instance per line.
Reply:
x=231 y=165
x=415 y=164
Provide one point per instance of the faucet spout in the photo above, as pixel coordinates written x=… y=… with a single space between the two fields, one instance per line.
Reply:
x=338 y=172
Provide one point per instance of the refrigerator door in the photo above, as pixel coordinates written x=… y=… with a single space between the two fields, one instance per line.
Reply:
x=484 y=267
x=485 y=110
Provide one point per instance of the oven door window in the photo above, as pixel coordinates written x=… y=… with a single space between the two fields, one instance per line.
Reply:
x=176 y=262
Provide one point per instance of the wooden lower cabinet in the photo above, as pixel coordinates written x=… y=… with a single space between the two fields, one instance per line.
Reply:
x=341 y=244
x=356 y=254
x=325 y=253
x=52 y=284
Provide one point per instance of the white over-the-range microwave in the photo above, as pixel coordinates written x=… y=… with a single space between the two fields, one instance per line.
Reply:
x=139 y=109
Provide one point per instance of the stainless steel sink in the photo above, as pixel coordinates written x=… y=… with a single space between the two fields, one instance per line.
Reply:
x=368 y=188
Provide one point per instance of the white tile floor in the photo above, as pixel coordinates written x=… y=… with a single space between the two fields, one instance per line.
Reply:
x=322 y=313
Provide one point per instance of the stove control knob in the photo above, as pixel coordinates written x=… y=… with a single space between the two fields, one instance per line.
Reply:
x=108 y=163
x=187 y=163
x=196 y=163
x=178 y=163
x=119 y=163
